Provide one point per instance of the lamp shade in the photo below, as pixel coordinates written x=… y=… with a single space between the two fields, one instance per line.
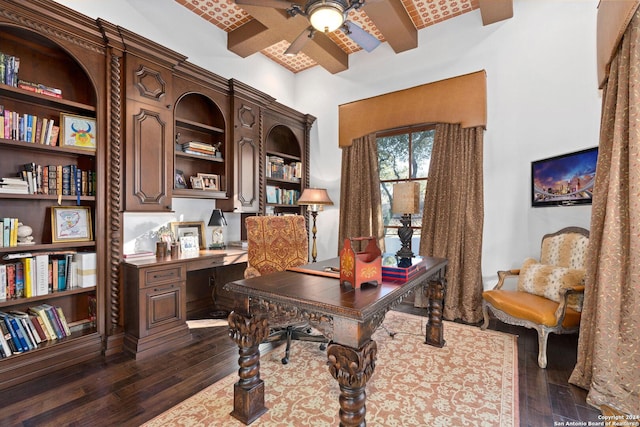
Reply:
x=217 y=218
x=314 y=197
x=406 y=198
x=327 y=15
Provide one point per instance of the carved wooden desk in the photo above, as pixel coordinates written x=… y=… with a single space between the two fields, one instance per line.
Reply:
x=348 y=317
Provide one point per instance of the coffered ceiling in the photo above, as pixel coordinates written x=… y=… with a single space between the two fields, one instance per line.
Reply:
x=270 y=31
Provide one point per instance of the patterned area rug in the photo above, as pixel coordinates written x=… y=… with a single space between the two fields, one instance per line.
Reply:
x=471 y=381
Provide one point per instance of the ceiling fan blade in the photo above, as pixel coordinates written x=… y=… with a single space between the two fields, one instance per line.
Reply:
x=365 y=40
x=296 y=46
x=277 y=4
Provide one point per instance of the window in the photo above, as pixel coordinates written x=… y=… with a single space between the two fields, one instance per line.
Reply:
x=404 y=154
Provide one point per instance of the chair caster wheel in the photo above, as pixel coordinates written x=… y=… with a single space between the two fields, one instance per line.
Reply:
x=285 y=360
x=323 y=346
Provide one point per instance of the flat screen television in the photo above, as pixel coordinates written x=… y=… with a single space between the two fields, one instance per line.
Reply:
x=564 y=180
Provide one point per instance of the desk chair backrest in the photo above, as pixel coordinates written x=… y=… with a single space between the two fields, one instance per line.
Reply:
x=276 y=243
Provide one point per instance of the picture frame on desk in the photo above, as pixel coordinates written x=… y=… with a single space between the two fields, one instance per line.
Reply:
x=77 y=131
x=190 y=228
x=189 y=245
x=210 y=181
x=71 y=224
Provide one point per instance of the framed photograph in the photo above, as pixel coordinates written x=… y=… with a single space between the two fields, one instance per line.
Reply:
x=210 y=181
x=71 y=224
x=77 y=131
x=564 y=180
x=193 y=228
x=180 y=181
x=196 y=183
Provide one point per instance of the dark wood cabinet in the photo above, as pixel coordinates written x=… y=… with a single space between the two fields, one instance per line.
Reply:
x=149 y=135
x=148 y=165
x=155 y=307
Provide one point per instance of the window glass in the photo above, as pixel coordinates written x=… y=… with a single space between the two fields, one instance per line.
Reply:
x=403 y=155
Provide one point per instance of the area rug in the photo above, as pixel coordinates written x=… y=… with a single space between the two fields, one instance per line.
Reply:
x=471 y=381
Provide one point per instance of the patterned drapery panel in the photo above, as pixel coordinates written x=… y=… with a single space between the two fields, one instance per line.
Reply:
x=453 y=217
x=360 y=201
x=609 y=345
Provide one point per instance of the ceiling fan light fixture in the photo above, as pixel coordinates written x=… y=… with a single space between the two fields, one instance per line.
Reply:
x=326 y=15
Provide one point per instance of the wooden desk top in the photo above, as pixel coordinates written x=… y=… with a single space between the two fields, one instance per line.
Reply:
x=322 y=294
x=197 y=261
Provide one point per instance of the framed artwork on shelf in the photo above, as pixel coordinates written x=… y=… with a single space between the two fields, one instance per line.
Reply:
x=210 y=181
x=564 y=180
x=196 y=183
x=180 y=181
x=188 y=229
x=71 y=224
x=77 y=131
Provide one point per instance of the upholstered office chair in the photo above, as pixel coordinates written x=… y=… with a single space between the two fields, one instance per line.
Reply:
x=276 y=243
x=549 y=292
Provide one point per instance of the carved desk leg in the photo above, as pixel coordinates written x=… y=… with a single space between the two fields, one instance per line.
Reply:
x=435 y=292
x=352 y=368
x=248 y=393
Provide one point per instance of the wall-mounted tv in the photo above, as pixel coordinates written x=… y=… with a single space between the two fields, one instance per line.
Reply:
x=564 y=180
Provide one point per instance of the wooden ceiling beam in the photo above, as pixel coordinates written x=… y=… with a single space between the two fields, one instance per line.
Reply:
x=270 y=26
x=392 y=19
x=495 y=10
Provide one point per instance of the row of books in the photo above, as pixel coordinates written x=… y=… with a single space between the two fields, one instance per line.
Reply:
x=66 y=180
x=28 y=128
x=44 y=273
x=24 y=331
x=9 y=67
x=9 y=234
x=199 y=149
x=282 y=196
x=276 y=168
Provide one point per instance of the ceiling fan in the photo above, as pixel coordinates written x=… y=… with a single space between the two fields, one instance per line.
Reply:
x=325 y=16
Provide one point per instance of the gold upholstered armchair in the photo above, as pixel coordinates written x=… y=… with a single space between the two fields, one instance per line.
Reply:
x=549 y=292
x=276 y=243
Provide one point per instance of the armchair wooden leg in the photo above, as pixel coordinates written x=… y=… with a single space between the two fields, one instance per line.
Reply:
x=543 y=335
x=485 y=314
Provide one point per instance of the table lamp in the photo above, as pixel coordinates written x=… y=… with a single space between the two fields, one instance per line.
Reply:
x=219 y=231
x=406 y=201
x=315 y=199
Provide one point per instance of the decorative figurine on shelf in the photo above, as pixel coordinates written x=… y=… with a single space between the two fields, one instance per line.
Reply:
x=216 y=149
x=24 y=235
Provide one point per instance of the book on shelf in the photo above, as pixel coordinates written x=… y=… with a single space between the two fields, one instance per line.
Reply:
x=11 y=281
x=3 y=282
x=57 y=323
x=8 y=337
x=41 y=274
x=16 y=332
x=5 y=349
x=86 y=265
x=40 y=312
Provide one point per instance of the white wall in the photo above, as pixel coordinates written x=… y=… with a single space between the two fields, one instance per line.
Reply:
x=542 y=101
x=541 y=92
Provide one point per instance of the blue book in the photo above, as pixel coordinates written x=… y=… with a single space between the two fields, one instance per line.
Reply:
x=62 y=274
x=12 y=326
x=22 y=333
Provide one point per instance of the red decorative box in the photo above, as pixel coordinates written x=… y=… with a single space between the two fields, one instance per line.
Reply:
x=392 y=273
x=357 y=268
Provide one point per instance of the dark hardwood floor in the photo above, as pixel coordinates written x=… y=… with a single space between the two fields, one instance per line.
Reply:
x=121 y=391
